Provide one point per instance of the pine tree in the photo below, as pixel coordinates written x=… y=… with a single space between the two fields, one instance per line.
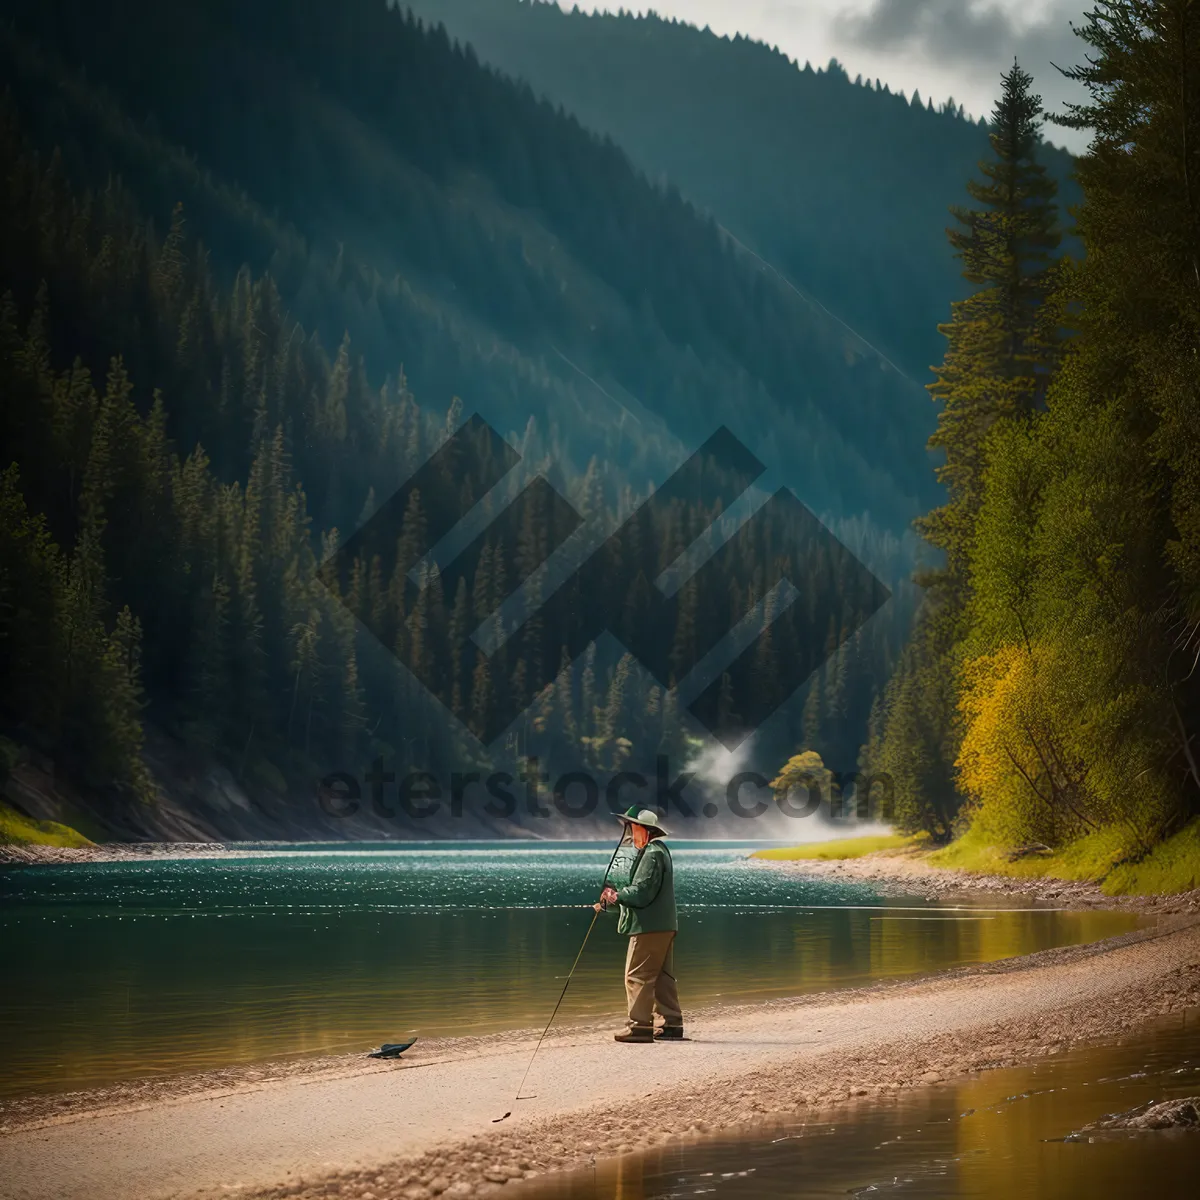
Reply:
x=1001 y=346
x=766 y=667
x=673 y=743
x=565 y=692
x=331 y=420
x=458 y=630
x=122 y=692
x=590 y=502
x=811 y=720
x=612 y=719
x=481 y=697
x=453 y=416
x=728 y=718
x=412 y=541
x=683 y=649
x=170 y=269
x=587 y=716
x=32 y=587
x=305 y=663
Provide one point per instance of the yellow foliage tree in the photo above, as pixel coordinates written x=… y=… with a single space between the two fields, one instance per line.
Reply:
x=807 y=771
x=1016 y=762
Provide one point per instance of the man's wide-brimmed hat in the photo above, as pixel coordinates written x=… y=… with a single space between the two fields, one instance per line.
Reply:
x=645 y=816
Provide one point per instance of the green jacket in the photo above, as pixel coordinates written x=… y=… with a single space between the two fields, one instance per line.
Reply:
x=648 y=900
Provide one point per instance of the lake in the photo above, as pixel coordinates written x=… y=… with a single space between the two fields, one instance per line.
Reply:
x=121 y=970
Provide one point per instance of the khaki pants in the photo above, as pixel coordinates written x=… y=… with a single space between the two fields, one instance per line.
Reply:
x=650 y=980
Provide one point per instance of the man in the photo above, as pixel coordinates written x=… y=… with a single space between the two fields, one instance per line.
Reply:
x=648 y=917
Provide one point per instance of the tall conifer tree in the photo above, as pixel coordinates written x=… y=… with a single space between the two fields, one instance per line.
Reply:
x=1001 y=348
x=1002 y=345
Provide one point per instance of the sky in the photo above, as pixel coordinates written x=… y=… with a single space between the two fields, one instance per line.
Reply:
x=942 y=48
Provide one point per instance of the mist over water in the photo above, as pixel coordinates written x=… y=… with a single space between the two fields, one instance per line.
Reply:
x=714 y=766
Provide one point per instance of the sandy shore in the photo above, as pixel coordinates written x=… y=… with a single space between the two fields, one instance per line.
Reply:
x=423 y=1126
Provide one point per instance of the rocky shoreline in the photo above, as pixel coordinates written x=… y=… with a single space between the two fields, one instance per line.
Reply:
x=909 y=873
x=35 y=855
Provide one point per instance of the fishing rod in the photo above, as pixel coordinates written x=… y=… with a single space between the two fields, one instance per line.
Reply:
x=591 y=926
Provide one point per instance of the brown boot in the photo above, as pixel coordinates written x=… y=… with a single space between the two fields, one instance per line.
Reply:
x=669 y=1033
x=645 y=1036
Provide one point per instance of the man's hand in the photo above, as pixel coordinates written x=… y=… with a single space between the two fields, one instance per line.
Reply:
x=608 y=896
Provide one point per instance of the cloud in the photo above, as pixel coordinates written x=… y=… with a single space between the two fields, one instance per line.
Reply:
x=983 y=33
x=941 y=47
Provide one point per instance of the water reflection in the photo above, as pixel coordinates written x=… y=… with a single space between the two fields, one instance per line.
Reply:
x=996 y=1136
x=127 y=969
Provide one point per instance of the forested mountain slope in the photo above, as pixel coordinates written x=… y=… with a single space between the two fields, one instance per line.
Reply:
x=844 y=187
x=398 y=190
x=223 y=231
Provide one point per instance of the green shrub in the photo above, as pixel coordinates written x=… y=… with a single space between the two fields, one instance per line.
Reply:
x=16 y=829
x=1172 y=866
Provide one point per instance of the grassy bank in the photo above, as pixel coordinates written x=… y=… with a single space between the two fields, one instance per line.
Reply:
x=1104 y=857
x=842 y=848
x=16 y=829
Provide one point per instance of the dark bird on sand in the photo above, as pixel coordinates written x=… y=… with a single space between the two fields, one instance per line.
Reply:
x=391 y=1049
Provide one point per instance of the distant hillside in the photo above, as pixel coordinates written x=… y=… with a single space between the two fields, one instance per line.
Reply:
x=843 y=186
x=398 y=190
x=248 y=257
